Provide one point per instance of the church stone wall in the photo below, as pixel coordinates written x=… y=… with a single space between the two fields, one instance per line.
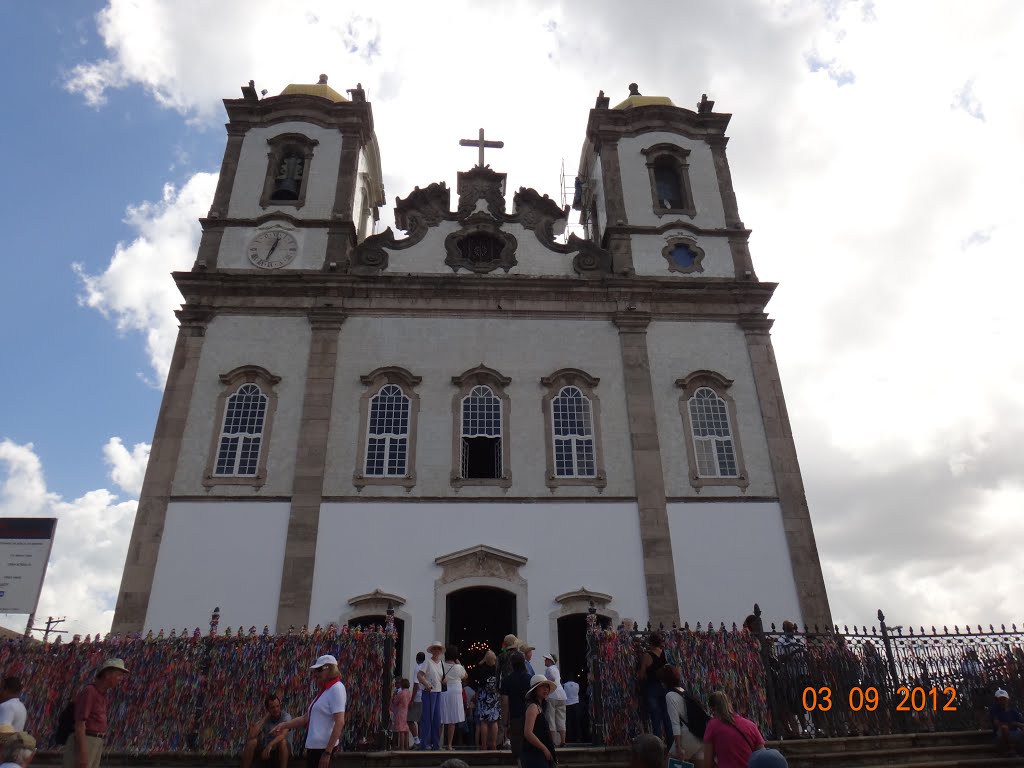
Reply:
x=219 y=554
x=281 y=346
x=636 y=182
x=391 y=546
x=252 y=171
x=438 y=348
x=234 y=245
x=677 y=349
x=728 y=556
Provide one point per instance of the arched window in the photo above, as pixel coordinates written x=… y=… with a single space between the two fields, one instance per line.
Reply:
x=669 y=171
x=288 y=166
x=712 y=438
x=241 y=438
x=481 y=434
x=668 y=184
x=387 y=438
x=712 y=444
x=242 y=433
x=573 y=434
x=480 y=453
x=571 y=418
x=387 y=433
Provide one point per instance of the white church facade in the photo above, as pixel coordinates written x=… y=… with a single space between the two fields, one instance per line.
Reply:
x=479 y=425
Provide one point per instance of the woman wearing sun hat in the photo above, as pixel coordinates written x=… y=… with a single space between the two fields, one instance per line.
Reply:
x=538 y=746
x=325 y=717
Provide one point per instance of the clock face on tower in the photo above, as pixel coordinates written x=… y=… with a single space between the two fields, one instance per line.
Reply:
x=273 y=249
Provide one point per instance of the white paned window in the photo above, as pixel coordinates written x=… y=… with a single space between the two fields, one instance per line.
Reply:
x=481 y=434
x=712 y=438
x=242 y=435
x=387 y=437
x=573 y=428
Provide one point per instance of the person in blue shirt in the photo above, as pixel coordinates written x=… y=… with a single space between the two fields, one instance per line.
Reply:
x=1007 y=723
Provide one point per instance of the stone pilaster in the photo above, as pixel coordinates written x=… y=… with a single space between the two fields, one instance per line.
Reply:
x=659 y=567
x=228 y=168
x=140 y=562
x=796 y=517
x=618 y=243
x=310 y=461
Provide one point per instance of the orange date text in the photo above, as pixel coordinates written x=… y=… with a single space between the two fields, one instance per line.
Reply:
x=916 y=699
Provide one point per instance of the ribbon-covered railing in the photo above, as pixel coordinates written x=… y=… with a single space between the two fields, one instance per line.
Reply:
x=198 y=695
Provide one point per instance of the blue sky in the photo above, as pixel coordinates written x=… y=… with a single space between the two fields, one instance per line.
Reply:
x=876 y=155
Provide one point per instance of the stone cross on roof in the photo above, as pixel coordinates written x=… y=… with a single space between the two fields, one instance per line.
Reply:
x=480 y=144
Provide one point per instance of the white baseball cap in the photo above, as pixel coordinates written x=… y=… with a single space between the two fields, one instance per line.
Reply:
x=323 y=661
x=1001 y=694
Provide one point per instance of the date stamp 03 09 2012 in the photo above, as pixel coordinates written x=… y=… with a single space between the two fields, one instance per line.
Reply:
x=916 y=699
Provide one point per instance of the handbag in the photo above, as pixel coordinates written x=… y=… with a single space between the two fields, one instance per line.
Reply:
x=444 y=675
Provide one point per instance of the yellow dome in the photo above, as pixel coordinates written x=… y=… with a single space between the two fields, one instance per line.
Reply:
x=321 y=89
x=636 y=100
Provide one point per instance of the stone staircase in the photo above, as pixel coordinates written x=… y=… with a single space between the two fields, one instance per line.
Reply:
x=960 y=749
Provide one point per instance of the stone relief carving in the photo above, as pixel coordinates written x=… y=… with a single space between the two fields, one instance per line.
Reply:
x=370 y=257
x=423 y=208
x=481 y=246
x=481 y=183
x=481 y=562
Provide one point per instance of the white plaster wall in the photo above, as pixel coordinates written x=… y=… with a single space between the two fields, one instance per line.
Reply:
x=647 y=258
x=219 y=554
x=252 y=172
x=392 y=546
x=438 y=349
x=279 y=344
x=728 y=556
x=679 y=348
x=234 y=246
x=636 y=181
x=427 y=256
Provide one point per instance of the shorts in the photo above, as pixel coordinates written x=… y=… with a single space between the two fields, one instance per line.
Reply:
x=556 y=715
x=415 y=712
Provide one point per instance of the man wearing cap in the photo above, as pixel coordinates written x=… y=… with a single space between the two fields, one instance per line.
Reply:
x=555 y=710
x=429 y=677
x=85 y=744
x=16 y=749
x=325 y=717
x=1007 y=723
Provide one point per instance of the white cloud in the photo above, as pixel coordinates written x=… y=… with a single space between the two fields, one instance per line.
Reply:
x=136 y=289
x=887 y=216
x=89 y=544
x=127 y=469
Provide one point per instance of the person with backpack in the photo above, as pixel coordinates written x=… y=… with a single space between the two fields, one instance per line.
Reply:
x=87 y=716
x=688 y=718
x=651 y=689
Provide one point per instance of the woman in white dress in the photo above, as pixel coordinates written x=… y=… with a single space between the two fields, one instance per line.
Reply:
x=452 y=709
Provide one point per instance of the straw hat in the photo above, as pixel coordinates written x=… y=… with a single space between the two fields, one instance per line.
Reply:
x=537 y=680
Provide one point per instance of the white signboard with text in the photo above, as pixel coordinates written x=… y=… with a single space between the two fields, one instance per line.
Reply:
x=25 y=544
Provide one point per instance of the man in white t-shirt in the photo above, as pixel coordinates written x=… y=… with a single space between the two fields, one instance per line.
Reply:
x=556 y=699
x=12 y=711
x=429 y=677
x=572 y=711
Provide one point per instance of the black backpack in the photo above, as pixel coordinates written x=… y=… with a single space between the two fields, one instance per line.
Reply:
x=65 y=724
x=697 y=718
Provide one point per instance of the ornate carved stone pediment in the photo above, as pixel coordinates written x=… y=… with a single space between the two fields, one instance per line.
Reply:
x=481 y=246
x=481 y=561
x=376 y=598
x=423 y=208
x=537 y=212
x=481 y=183
x=599 y=599
x=370 y=257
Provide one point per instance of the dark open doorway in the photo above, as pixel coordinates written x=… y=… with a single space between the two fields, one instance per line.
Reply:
x=367 y=621
x=478 y=619
x=572 y=661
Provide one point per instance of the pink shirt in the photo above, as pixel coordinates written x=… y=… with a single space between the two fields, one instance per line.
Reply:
x=91 y=706
x=733 y=745
x=400 y=710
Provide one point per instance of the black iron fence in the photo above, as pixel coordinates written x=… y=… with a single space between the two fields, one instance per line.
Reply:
x=811 y=683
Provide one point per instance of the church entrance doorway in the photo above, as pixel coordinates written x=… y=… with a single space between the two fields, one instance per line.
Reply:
x=478 y=618
x=572 y=663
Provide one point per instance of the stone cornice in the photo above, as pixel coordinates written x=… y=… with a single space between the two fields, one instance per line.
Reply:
x=296 y=292
x=348 y=117
x=598 y=598
x=636 y=229
x=609 y=125
x=375 y=596
x=481 y=551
